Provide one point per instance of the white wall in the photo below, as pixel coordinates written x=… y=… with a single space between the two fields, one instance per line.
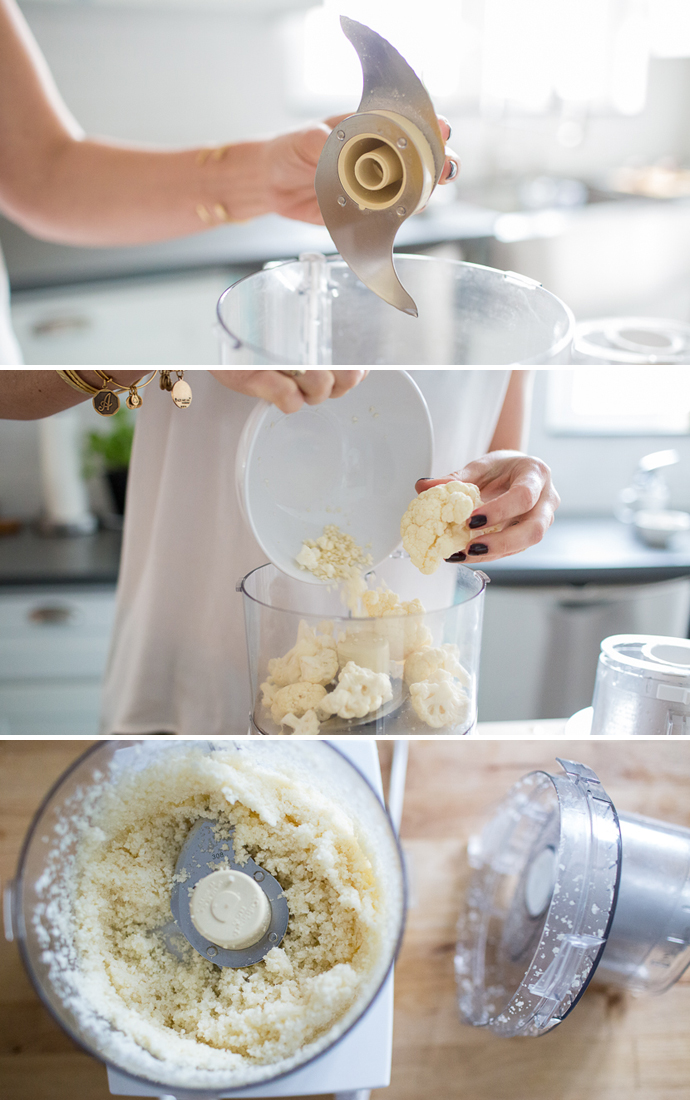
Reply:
x=183 y=76
x=589 y=471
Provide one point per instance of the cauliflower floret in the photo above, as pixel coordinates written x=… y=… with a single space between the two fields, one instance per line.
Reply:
x=296 y=699
x=359 y=692
x=422 y=664
x=405 y=629
x=435 y=523
x=306 y=726
x=440 y=700
x=313 y=658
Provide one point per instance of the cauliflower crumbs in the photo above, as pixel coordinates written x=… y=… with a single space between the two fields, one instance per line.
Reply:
x=180 y=1006
x=333 y=556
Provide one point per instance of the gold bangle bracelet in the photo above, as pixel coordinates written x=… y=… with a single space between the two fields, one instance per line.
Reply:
x=73 y=379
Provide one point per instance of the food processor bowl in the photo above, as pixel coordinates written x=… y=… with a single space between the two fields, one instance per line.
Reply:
x=39 y=902
x=316 y=311
x=275 y=605
x=565 y=890
x=642 y=687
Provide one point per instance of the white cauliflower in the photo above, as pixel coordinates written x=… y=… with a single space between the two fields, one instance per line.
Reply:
x=296 y=699
x=435 y=523
x=306 y=726
x=440 y=700
x=400 y=621
x=422 y=664
x=313 y=659
x=359 y=692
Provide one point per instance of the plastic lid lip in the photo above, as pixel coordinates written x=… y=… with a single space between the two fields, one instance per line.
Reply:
x=579 y=915
x=655 y=651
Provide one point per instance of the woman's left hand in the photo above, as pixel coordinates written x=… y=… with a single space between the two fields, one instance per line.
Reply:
x=518 y=496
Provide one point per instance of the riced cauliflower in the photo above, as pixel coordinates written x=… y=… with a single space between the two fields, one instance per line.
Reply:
x=435 y=523
x=313 y=658
x=306 y=726
x=333 y=556
x=440 y=700
x=422 y=664
x=296 y=699
x=359 y=692
x=400 y=621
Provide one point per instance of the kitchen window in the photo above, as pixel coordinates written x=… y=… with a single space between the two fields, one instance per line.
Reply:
x=619 y=401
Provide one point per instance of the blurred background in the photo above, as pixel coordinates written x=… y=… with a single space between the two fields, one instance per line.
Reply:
x=616 y=560
x=570 y=118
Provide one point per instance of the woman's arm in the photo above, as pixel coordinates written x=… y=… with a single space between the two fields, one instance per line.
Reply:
x=33 y=394
x=63 y=186
x=512 y=429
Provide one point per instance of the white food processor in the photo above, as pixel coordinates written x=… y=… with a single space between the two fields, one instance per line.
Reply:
x=366 y=306
x=642 y=687
x=230 y=912
x=567 y=889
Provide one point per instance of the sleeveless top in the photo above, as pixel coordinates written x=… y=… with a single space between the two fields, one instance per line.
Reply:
x=10 y=354
x=178 y=656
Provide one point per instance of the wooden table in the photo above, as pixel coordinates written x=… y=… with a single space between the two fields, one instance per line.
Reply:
x=613 y=1047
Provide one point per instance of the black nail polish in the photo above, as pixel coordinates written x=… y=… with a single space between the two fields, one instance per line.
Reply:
x=478 y=548
x=456 y=557
x=477 y=521
x=425 y=479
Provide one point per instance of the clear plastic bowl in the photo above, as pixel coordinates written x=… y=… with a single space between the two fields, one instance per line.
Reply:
x=275 y=604
x=316 y=311
x=38 y=902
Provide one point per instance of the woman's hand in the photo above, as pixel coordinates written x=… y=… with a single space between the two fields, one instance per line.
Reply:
x=290 y=164
x=288 y=392
x=518 y=496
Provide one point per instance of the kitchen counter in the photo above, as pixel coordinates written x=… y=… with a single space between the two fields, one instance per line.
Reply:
x=32 y=263
x=591 y=550
x=575 y=550
x=613 y=1047
x=27 y=559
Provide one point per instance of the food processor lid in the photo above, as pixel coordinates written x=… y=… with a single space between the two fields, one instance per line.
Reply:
x=641 y=340
x=540 y=904
x=650 y=655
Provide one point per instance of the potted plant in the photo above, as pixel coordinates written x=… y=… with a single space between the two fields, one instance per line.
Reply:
x=113 y=449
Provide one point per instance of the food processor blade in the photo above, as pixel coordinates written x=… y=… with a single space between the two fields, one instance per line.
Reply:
x=216 y=898
x=380 y=165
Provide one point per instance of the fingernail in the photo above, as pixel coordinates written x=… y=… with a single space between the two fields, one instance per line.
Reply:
x=477 y=521
x=456 y=557
x=478 y=548
x=453 y=171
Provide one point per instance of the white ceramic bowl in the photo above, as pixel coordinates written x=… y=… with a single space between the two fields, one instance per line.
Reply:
x=658 y=528
x=352 y=461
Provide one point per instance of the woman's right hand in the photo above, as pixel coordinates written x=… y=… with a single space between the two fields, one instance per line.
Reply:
x=289 y=392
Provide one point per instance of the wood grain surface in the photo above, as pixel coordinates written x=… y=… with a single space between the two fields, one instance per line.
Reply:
x=613 y=1046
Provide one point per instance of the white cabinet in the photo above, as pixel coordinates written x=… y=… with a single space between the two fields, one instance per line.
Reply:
x=53 y=649
x=540 y=646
